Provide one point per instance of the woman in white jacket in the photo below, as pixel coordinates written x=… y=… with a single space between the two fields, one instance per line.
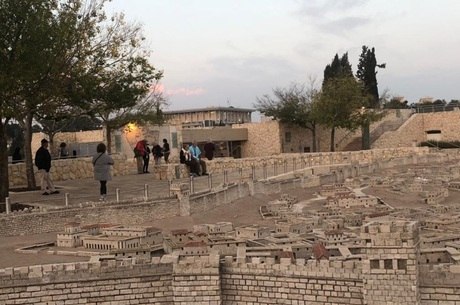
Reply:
x=102 y=163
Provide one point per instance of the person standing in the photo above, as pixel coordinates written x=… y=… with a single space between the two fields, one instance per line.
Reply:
x=166 y=150
x=63 y=152
x=146 y=158
x=17 y=158
x=209 y=149
x=157 y=153
x=43 y=163
x=196 y=162
x=101 y=164
x=139 y=152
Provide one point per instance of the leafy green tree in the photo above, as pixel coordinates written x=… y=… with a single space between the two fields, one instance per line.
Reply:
x=291 y=105
x=16 y=136
x=367 y=74
x=26 y=31
x=51 y=52
x=339 y=105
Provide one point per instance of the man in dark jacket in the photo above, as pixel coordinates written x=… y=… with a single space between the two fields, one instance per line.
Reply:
x=43 y=162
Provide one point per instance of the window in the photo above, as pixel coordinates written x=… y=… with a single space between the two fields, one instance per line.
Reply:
x=375 y=264
x=402 y=264
x=388 y=264
x=287 y=136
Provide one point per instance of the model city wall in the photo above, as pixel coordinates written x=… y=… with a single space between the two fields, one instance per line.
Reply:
x=212 y=279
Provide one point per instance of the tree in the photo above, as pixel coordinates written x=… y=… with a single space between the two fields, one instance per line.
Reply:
x=367 y=74
x=16 y=136
x=339 y=67
x=136 y=108
x=395 y=103
x=25 y=34
x=51 y=52
x=291 y=105
x=339 y=105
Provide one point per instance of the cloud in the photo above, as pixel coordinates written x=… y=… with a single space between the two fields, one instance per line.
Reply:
x=345 y=24
x=320 y=8
x=255 y=68
x=333 y=16
x=185 y=91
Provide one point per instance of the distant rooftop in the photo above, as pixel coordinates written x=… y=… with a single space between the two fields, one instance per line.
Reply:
x=231 y=108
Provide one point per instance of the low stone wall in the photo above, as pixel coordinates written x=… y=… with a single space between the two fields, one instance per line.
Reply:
x=69 y=169
x=121 y=282
x=312 y=282
x=127 y=213
x=80 y=168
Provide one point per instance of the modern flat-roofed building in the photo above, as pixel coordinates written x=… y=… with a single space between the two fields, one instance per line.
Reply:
x=208 y=117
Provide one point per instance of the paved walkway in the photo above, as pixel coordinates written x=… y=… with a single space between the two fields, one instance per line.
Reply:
x=86 y=190
x=130 y=187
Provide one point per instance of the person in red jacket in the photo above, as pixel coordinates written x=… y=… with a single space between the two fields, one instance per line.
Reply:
x=139 y=153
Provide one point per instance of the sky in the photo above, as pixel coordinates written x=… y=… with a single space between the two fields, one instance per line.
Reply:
x=230 y=52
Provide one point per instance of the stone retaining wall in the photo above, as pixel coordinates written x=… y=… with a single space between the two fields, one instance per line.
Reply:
x=80 y=168
x=69 y=169
x=414 y=130
x=127 y=213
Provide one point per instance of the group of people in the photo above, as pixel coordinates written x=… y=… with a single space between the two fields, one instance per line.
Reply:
x=191 y=156
x=101 y=167
x=142 y=153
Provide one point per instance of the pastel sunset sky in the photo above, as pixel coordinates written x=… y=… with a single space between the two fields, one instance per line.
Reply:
x=229 y=52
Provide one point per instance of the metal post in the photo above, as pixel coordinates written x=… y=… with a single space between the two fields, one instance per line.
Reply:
x=146 y=192
x=117 y=192
x=8 y=205
x=294 y=164
x=67 y=195
x=265 y=170
x=169 y=187
x=240 y=169
x=285 y=166
x=253 y=172
x=210 y=181
x=192 y=187
x=225 y=177
x=275 y=168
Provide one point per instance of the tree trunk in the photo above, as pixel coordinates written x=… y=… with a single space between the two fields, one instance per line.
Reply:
x=313 y=139
x=108 y=134
x=365 y=136
x=4 y=181
x=52 y=148
x=333 y=139
x=28 y=151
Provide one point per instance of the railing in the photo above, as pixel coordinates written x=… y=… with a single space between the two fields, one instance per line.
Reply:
x=161 y=189
x=129 y=191
x=435 y=108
